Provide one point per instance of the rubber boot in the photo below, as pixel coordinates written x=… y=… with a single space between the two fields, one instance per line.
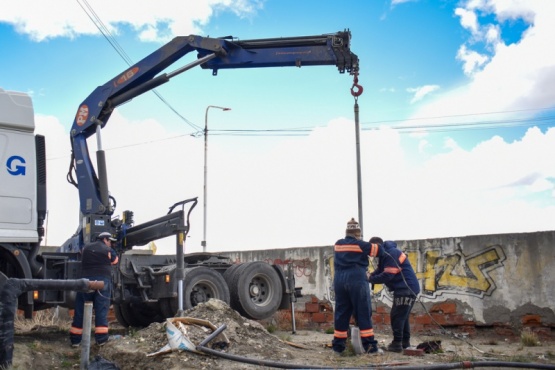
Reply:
x=395 y=347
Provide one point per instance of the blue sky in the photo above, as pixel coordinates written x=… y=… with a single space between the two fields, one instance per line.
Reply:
x=456 y=117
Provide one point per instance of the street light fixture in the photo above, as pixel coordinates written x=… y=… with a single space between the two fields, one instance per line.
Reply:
x=203 y=243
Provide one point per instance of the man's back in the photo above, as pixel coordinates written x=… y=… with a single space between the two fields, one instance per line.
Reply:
x=96 y=260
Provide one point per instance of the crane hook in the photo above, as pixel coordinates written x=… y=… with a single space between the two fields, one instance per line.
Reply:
x=356 y=89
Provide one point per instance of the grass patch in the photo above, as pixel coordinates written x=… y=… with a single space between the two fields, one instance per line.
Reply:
x=529 y=339
x=285 y=337
x=44 y=318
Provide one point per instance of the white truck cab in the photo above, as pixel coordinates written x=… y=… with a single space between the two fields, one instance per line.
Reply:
x=18 y=175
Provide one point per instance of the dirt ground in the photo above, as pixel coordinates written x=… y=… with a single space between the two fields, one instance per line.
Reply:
x=254 y=347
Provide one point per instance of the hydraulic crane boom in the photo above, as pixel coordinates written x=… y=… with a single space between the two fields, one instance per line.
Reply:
x=148 y=287
x=212 y=53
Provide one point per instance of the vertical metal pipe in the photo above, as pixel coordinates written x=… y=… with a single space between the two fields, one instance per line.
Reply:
x=86 y=336
x=293 y=323
x=359 y=179
x=180 y=273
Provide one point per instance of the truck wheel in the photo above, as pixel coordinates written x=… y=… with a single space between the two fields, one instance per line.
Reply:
x=256 y=290
x=119 y=316
x=136 y=315
x=229 y=273
x=199 y=285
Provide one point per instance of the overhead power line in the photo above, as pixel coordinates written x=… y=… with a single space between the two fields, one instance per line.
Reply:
x=306 y=131
x=481 y=125
x=458 y=126
x=88 y=9
x=459 y=115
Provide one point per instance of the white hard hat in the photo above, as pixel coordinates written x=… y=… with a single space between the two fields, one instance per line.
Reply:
x=106 y=234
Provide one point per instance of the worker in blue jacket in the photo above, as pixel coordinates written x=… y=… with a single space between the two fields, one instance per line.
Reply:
x=352 y=291
x=97 y=259
x=395 y=271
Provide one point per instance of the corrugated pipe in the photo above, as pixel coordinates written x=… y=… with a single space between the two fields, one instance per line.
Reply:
x=12 y=289
x=457 y=365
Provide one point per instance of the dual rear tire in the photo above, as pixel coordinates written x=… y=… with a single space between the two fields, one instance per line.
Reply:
x=253 y=289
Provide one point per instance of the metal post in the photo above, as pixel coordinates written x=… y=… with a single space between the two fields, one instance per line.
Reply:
x=86 y=336
x=180 y=270
x=359 y=180
x=203 y=243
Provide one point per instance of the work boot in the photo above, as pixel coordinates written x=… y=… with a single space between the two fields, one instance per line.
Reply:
x=406 y=344
x=395 y=347
x=374 y=350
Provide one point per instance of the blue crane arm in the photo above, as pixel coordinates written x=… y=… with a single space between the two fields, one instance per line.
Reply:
x=330 y=49
x=212 y=53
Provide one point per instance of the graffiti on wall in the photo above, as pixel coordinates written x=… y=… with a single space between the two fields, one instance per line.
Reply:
x=440 y=273
x=300 y=268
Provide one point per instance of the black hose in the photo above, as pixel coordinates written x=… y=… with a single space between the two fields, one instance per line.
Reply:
x=473 y=365
x=257 y=362
x=246 y=360
x=456 y=365
x=521 y=365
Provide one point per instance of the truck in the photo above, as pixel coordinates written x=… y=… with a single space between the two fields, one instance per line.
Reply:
x=147 y=287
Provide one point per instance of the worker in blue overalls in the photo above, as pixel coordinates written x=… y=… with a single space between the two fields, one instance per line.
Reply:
x=352 y=291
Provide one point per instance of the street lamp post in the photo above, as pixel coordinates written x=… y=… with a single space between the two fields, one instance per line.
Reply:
x=203 y=243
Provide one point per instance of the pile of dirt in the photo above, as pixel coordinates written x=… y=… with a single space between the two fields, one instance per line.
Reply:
x=246 y=338
x=251 y=346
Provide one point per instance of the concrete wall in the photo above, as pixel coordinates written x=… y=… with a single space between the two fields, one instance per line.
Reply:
x=502 y=281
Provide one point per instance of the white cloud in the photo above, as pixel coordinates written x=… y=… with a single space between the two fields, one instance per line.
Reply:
x=472 y=61
x=515 y=77
x=153 y=21
x=468 y=20
x=422 y=145
x=421 y=91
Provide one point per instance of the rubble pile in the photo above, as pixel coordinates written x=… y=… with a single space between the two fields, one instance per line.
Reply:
x=247 y=338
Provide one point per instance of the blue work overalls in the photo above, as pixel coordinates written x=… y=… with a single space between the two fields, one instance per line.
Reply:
x=352 y=291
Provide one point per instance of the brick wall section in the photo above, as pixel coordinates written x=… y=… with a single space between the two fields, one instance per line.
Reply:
x=318 y=315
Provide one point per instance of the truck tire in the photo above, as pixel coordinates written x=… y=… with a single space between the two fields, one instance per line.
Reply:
x=199 y=285
x=135 y=315
x=229 y=273
x=119 y=316
x=255 y=290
